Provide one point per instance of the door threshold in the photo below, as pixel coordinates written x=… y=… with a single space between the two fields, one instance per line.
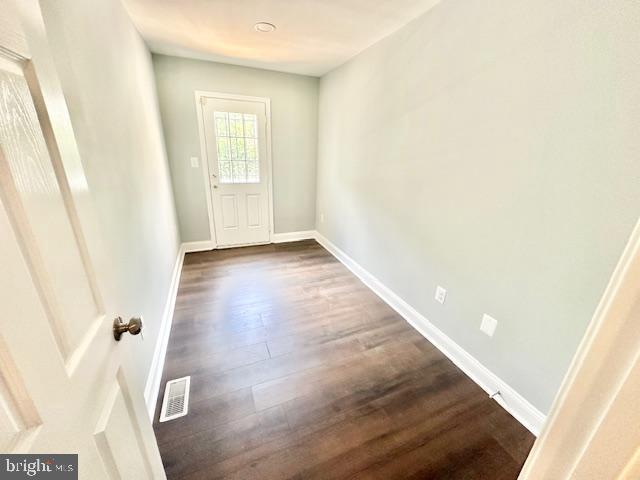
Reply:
x=226 y=247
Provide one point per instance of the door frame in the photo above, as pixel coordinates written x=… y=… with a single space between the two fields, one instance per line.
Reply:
x=597 y=398
x=199 y=96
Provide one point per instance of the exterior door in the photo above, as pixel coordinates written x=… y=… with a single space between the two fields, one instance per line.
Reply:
x=235 y=134
x=65 y=384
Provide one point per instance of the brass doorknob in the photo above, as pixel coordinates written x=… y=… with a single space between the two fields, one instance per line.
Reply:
x=134 y=327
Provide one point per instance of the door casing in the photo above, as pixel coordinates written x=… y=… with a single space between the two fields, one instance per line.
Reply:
x=206 y=174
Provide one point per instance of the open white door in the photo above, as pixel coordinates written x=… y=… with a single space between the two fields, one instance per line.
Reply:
x=64 y=385
x=235 y=137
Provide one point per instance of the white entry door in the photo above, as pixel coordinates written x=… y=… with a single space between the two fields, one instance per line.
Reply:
x=235 y=135
x=65 y=382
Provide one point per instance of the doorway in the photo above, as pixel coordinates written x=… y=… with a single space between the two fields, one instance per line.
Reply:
x=236 y=150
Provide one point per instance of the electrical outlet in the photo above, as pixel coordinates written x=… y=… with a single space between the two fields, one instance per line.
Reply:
x=322 y=218
x=441 y=294
x=195 y=162
x=488 y=324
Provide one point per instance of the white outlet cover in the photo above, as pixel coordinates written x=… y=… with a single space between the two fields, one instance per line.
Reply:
x=441 y=294
x=488 y=324
x=194 y=162
x=322 y=218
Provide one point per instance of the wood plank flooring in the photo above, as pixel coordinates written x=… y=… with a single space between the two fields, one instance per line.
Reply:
x=299 y=371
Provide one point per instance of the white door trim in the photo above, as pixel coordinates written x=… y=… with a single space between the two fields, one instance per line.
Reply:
x=199 y=95
x=592 y=424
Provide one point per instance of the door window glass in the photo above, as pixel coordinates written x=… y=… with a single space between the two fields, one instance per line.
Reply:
x=237 y=147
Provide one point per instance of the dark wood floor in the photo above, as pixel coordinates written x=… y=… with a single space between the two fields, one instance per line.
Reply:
x=299 y=371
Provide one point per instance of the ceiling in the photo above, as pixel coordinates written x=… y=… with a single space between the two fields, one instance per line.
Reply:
x=312 y=36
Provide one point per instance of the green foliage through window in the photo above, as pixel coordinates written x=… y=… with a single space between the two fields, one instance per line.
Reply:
x=237 y=147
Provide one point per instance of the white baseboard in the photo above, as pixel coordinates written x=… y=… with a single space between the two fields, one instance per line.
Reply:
x=509 y=399
x=152 y=386
x=293 y=236
x=200 y=246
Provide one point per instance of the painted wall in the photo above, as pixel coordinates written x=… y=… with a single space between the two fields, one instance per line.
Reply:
x=107 y=78
x=491 y=148
x=294 y=116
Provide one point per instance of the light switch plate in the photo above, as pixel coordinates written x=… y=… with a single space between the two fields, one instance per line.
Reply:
x=441 y=294
x=488 y=324
x=194 y=162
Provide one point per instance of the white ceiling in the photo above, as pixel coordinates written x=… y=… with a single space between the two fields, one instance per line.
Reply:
x=312 y=36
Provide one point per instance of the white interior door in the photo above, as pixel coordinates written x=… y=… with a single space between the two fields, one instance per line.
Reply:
x=235 y=135
x=64 y=382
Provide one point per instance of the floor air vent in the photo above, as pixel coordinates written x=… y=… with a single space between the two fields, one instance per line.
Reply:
x=176 y=399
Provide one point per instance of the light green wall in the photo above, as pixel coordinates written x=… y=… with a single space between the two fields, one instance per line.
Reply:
x=492 y=148
x=294 y=114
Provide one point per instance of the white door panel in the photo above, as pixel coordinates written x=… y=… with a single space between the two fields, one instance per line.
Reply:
x=19 y=418
x=64 y=384
x=253 y=211
x=229 y=210
x=236 y=141
x=41 y=216
x=121 y=459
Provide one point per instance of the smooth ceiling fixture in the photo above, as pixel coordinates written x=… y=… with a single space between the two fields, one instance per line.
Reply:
x=264 y=27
